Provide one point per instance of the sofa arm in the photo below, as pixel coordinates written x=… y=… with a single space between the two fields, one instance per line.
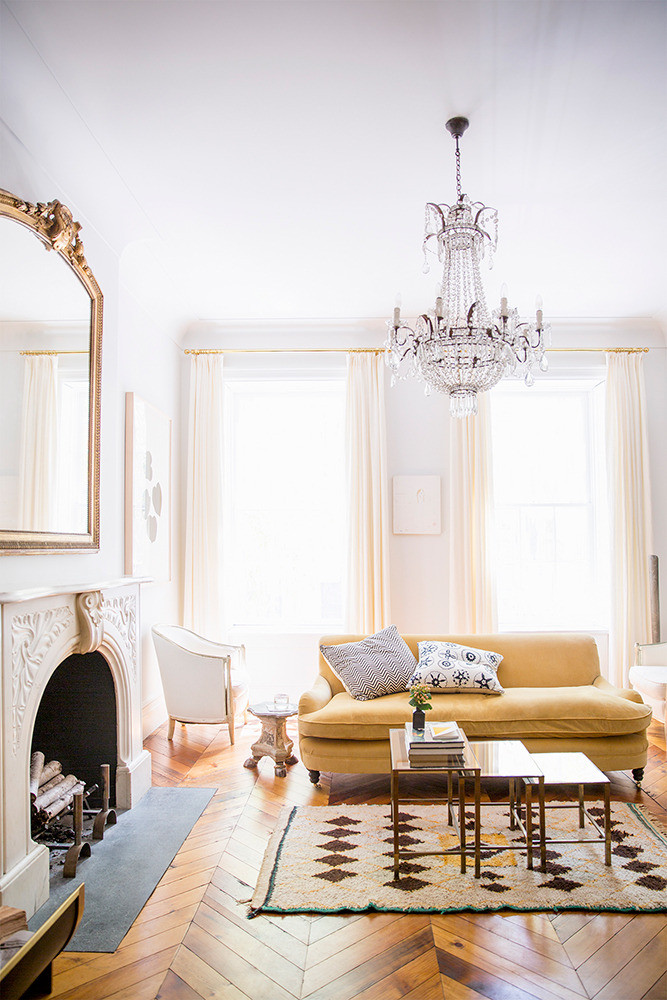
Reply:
x=603 y=685
x=318 y=696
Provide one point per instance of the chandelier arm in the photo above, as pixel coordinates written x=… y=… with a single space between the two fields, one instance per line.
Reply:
x=405 y=342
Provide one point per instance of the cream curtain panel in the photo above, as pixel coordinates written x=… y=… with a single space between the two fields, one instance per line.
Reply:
x=629 y=489
x=39 y=443
x=367 y=592
x=472 y=599
x=203 y=611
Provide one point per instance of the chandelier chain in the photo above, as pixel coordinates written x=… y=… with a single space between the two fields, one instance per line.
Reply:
x=458 y=170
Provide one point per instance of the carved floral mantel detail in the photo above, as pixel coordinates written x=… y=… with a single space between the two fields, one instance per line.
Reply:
x=122 y=613
x=33 y=635
x=91 y=623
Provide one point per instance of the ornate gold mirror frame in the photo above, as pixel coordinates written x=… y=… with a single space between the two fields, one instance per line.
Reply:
x=54 y=226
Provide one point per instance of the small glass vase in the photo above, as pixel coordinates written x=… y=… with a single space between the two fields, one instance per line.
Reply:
x=418 y=720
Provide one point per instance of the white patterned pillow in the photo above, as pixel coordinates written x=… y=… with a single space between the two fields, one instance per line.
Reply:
x=380 y=664
x=440 y=671
x=454 y=651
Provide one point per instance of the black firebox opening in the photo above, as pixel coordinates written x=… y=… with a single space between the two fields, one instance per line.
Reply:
x=76 y=720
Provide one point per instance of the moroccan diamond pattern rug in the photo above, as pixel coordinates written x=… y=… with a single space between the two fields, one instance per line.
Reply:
x=324 y=859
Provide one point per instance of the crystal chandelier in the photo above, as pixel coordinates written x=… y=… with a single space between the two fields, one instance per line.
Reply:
x=459 y=347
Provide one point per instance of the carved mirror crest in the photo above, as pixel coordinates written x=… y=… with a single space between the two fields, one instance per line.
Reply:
x=50 y=381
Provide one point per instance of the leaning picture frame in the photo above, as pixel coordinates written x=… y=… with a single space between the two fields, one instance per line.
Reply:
x=147 y=490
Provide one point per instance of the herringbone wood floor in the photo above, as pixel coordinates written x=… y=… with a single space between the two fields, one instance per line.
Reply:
x=192 y=939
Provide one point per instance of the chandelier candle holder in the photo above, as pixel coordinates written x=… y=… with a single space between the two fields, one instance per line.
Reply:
x=459 y=347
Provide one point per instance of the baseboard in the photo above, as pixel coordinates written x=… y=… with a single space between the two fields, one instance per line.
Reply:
x=153 y=714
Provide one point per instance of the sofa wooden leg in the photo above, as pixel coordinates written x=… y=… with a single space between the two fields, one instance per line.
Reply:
x=638 y=774
x=314 y=776
x=172 y=725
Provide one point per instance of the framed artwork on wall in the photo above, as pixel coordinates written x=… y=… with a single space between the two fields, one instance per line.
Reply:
x=147 y=490
x=417 y=505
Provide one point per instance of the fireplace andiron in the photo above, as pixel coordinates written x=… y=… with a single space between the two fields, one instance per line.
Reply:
x=106 y=816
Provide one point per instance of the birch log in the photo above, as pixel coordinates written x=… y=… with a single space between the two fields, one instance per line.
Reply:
x=55 y=808
x=36 y=768
x=50 y=770
x=55 y=792
x=59 y=778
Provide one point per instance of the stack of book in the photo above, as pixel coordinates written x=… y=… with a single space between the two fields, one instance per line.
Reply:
x=439 y=745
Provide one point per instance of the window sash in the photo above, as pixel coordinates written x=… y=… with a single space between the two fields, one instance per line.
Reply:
x=289 y=543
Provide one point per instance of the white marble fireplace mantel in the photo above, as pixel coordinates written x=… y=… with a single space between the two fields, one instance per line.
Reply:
x=39 y=629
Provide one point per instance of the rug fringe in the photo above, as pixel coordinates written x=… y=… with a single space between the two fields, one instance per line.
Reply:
x=265 y=877
x=658 y=824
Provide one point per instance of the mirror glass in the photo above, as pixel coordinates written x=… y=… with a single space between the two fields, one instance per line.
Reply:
x=48 y=351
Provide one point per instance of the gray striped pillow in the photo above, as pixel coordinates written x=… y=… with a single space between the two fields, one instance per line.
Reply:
x=379 y=664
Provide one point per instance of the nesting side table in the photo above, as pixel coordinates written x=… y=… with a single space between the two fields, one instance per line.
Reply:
x=576 y=769
x=273 y=741
x=510 y=759
x=467 y=766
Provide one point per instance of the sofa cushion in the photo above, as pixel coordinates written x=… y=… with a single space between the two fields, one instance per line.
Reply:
x=378 y=665
x=449 y=668
x=520 y=713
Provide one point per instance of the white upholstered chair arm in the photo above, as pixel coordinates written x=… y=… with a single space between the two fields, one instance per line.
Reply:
x=651 y=654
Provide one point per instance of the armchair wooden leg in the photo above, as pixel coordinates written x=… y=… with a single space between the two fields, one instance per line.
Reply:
x=172 y=724
x=230 y=724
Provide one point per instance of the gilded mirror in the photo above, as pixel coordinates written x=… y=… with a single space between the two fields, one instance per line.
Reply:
x=50 y=379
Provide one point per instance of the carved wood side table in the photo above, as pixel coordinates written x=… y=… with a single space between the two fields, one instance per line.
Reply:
x=273 y=741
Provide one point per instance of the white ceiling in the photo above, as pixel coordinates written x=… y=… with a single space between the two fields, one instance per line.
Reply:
x=275 y=157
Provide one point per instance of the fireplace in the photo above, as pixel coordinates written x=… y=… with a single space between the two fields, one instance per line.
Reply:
x=75 y=646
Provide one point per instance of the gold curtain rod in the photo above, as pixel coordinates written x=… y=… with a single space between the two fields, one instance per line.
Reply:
x=597 y=350
x=286 y=350
x=36 y=353
x=380 y=350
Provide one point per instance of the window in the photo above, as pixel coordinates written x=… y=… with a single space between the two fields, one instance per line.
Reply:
x=550 y=505
x=284 y=556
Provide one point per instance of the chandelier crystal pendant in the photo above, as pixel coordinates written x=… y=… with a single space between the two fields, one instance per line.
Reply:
x=459 y=347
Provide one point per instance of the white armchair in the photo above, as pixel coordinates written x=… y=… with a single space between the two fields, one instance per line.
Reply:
x=649 y=677
x=203 y=681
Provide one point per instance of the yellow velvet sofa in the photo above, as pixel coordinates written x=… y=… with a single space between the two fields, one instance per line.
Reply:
x=555 y=700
